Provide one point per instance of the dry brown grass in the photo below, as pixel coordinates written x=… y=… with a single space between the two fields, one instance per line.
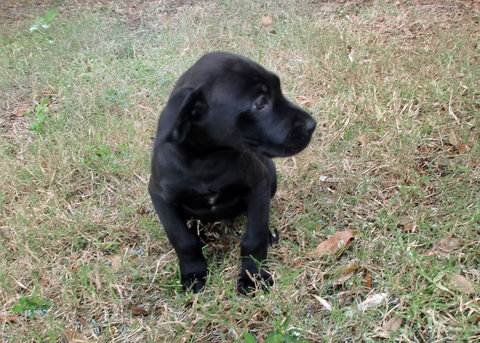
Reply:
x=394 y=86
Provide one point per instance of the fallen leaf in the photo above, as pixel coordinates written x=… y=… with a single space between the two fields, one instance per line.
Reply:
x=407 y=223
x=79 y=261
x=333 y=244
x=362 y=140
x=323 y=302
x=472 y=140
x=407 y=32
x=20 y=110
x=410 y=227
x=351 y=268
x=448 y=244
x=368 y=281
x=444 y=246
x=456 y=142
x=462 y=284
x=6 y=318
x=344 y=278
x=453 y=139
x=345 y=298
x=373 y=300
x=462 y=148
x=138 y=311
x=393 y=324
x=115 y=261
x=45 y=282
x=96 y=280
x=267 y=20
x=44 y=165
x=142 y=210
x=404 y=220
x=345 y=274
x=351 y=53
x=72 y=336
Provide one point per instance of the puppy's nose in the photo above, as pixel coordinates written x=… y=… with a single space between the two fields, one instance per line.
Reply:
x=310 y=125
x=305 y=124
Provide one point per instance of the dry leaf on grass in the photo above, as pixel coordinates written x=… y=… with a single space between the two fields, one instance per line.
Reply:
x=345 y=274
x=96 y=280
x=393 y=324
x=44 y=166
x=138 y=311
x=351 y=53
x=368 y=281
x=389 y=326
x=373 y=300
x=445 y=246
x=448 y=244
x=344 y=277
x=267 y=20
x=323 y=302
x=453 y=138
x=115 y=261
x=407 y=223
x=404 y=220
x=6 y=318
x=462 y=284
x=333 y=244
x=72 y=336
x=407 y=32
x=20 y=110
x=461 y=147
x=410 y=227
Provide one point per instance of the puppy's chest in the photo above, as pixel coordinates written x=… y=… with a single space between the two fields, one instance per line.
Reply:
x=213 y=188
x=208 y=197
x=213 y=197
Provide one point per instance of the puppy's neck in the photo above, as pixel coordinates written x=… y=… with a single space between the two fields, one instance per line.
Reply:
x=200 y=149
x=199 y=144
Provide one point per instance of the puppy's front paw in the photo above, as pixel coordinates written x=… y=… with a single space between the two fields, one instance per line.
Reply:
x=249 y=282
x=273 y=237
x=194 y=282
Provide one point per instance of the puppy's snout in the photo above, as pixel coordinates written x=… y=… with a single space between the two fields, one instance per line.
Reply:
x=310 y=125
x=305 y=124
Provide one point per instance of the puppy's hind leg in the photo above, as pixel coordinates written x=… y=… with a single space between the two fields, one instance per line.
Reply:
x=187 y=245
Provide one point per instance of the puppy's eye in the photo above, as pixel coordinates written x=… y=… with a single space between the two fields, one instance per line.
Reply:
x=260 y=103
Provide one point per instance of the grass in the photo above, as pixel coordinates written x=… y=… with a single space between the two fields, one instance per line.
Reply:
x=394 y=86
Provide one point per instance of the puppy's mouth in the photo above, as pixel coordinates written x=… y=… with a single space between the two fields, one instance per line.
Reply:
x=293 y=144
x=257 y=146
x=251 y=144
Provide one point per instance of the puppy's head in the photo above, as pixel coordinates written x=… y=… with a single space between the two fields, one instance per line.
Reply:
x=226 y=100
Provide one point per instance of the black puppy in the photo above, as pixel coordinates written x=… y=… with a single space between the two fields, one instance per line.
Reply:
x=224 y=120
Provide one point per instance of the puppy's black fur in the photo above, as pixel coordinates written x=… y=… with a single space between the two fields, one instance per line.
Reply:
x=224 y=120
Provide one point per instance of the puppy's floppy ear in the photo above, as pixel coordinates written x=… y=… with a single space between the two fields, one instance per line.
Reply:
x=185 y=106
